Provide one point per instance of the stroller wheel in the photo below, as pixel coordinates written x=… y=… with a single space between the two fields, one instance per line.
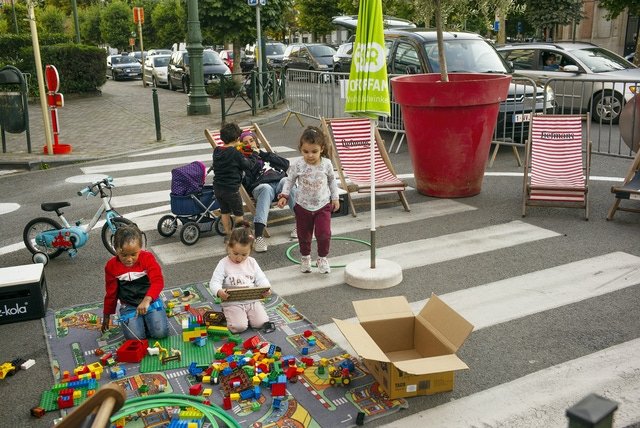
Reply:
x=190 y=233
x=167 y=225
x=219 y=227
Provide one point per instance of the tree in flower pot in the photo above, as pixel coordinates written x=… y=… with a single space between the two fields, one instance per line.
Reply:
x=449 y=121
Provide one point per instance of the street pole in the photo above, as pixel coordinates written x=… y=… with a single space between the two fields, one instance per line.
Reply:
x=43 y=93
x=198 y=99
x=74 y=6
x=258 y=53
x=15 y=20
x=144 y=85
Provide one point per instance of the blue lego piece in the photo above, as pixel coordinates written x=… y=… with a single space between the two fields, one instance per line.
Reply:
x=194 y=370
x=281 y=379
x=200 y=341
x=305 y=351
x=226 y=371
x=347 y=364
x=312 y=342
x=247 y=394
x=257 y=392
x=276 y=403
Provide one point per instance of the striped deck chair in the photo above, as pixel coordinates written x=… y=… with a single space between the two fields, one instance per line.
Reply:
x=557 y=162
x=630 y=189
x=350 y=139
x=213 y=136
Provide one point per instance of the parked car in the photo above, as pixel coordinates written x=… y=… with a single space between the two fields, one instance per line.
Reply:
x=179 y=74
x=273 y=50
x=155 y=70
x=580 y=62
x=152 y=52
x=308 y=56
x=342 y=58
x=227 y=57
x=123 y=66
x=351 y=21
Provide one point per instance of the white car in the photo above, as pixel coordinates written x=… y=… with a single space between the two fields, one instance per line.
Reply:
x=155 y=70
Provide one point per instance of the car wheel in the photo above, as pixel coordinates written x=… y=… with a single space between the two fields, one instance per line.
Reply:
x=607 y=106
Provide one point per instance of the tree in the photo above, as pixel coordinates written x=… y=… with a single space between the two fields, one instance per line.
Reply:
x=169 y=23
x=615 y=8
x=546 y=14
x=116 y=24
x=89 y=20
x=316 y=15
x=51 y=20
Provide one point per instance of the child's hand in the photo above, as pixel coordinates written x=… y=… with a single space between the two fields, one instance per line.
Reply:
x=222 y=293
x=105 y=323
x=266 y=293
x=282 y=202
x=336 y=205
x=143 y=307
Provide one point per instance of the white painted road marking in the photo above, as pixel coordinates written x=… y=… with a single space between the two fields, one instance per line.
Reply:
x=9 y=207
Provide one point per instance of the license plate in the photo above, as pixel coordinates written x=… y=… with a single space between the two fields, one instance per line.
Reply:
x=634 y=196
x=519 y=118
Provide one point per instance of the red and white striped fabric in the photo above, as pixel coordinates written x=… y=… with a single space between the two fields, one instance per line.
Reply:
x=352 y=139
x=214 y=135
x=556 y=159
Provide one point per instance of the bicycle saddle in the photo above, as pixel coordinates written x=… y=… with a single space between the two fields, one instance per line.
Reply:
x=53 y=206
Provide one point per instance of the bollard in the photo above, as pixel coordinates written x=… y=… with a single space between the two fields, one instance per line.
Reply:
x=156 y=113
x=593 y=411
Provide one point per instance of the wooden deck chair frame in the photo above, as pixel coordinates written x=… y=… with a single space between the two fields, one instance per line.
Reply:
x=567 y=188
x=247 y=199
x=394 y=184
x=630 y=189
x=97 y=410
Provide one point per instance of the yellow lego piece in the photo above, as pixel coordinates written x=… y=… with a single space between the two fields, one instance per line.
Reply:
x=175 y=293
x=234 y=396
x=206 y=379
x=171 y=305
x=77 y=394
x=192 y=425
x=207 y=392
x=256 y=380
x=262 y=375
x=324 y=362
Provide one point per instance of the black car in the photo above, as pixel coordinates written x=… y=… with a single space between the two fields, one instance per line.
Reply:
x=342 y=58
x=308 y=56
x=179 y=72
x=274 y=52
x=120 y=67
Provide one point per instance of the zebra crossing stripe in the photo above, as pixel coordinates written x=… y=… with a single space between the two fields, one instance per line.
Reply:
x=513 y=298
x=175 y=149
x=423 y=252
x=141 y=198
x=135 y=180
x=541 y=398
x=127 y=166
x=174 y=252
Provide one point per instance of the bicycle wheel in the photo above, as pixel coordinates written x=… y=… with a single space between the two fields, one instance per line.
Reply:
x=33 y=229
x=219 y=228
x=167 y=225
x=107 y=234
x=190 y=233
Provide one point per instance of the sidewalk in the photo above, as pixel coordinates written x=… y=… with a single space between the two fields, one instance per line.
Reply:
x=119 y=121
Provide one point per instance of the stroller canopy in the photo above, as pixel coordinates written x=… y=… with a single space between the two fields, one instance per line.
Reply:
x=188 y=179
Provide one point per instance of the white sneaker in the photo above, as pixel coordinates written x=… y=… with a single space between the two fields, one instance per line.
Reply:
x=294 y=233
x=323 y=265
x=260 y=245
x=305 y=264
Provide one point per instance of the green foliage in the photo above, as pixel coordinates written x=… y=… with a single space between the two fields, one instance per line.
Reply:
x=4 y=25
x=231 y=87
x=315 y=15
x=50 y=20
x=616 y=7
x=89 y=20
x=169 y=22
x=81 y=68
x=224 y=21
x=12 y=44
x=547 y=13
x=148 y=29
x=21 y=17
x=116 y=24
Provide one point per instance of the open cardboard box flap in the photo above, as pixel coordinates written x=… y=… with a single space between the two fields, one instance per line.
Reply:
x=360 y=340
x=440 y=364
x=447 y=322
x=382 y=309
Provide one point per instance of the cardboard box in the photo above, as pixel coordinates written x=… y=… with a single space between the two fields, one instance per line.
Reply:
x=408 y=354
x=23 y=293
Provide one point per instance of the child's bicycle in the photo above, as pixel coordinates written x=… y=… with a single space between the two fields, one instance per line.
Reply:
x=46 y=239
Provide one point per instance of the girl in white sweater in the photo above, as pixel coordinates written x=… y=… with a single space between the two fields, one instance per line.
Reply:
x=239 y=270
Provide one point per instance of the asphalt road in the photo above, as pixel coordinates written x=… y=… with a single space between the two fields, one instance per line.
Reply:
x=481 y=241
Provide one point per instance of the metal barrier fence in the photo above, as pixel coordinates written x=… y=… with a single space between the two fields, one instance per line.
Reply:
x=322 y=94
x=250 y=92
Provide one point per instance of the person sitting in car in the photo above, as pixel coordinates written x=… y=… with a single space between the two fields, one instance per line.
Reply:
x=550 y=62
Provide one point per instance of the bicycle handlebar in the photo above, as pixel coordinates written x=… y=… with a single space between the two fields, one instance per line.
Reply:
x=106 y=182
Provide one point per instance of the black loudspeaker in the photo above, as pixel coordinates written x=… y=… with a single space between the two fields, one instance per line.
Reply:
x=23 y=293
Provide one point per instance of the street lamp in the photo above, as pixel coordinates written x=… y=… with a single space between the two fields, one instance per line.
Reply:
x=198 y=103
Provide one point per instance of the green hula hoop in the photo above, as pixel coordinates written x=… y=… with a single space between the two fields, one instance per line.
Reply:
x=211 y=412
x=337 y=238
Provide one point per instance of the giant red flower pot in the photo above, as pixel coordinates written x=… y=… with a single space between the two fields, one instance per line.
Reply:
x=449 y=127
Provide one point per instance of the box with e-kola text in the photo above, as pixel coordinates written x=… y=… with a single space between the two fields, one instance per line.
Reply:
x=408 y=354
x=23 y=293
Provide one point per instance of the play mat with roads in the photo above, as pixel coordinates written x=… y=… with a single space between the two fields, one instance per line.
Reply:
x=309 y=396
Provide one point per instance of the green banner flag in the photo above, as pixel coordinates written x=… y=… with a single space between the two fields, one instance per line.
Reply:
x=368 y=88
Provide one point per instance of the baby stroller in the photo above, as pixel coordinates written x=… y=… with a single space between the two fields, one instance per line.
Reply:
x=192 y=203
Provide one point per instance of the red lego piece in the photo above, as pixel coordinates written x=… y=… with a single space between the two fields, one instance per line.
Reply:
x=226 y=403
x=98 y=352
x=208 y=371
x=263 y=368
x=227 y=348
x=251 y=342
x=307 y=361
x=65 y=392
x=291 y=372
x=37 y=412
x=105 y=357
x=132 y=351
x=195 y=389
x=233 y=364
x=65 y=402
x=307 y=333
x=199 y=319
x=278 y=389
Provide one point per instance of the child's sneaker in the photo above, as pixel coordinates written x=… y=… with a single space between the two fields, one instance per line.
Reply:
x=260 y=245
x=305 y=264
x=323 y=265
x=294 y=233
